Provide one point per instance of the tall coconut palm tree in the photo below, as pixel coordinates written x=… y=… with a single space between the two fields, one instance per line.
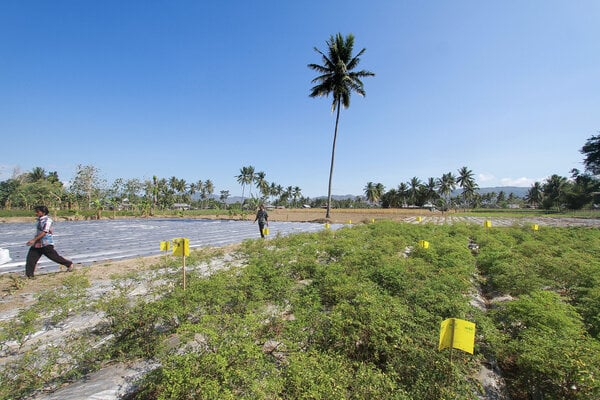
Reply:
x=181 y=188
x=403 y=194
x=278 y=192
x=272 y=191
x=380 y=189
x=466 y=181
x=296 y=194
x=207 y=189
x=165 y=195
x=336 y=77
x=465 y=177
x=289 y=191
x=173 y=184
x=374 y=191
x=413 y=191
x=209 y=186
x=430 y=190
x=446 y=184
x=246 y=177
x=37 y=174
x=554 y=191
x=370 y=191
x=261 y=183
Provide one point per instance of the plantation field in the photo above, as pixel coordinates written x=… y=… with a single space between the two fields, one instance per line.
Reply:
x=337 y=215
x=347 y=314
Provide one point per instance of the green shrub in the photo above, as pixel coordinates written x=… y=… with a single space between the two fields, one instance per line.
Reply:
x=546 y=352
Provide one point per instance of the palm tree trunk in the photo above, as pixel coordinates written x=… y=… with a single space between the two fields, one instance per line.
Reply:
x=337 y=118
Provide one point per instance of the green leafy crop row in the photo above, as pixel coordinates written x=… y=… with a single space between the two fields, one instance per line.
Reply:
x=549 y=342
x=349 y=314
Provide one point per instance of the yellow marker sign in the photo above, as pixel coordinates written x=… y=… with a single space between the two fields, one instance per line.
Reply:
x=265 y=231
x=457 y=333
x=535 y=227
x=487 y=224
x=350 y=221
x=165 y=246
x=419 y=219
x=424 y=244
x=181 y=247
x=327 y=226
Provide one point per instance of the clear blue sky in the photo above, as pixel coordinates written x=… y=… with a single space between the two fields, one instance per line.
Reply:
x=199 y=89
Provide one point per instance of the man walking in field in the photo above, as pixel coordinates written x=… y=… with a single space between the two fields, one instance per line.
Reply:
x=43 y=244
x=263 y=219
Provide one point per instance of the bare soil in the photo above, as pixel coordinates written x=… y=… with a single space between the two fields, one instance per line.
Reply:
x=343 y=216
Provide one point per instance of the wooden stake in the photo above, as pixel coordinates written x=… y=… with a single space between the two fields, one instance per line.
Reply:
x=183 y=272
x=451 y=338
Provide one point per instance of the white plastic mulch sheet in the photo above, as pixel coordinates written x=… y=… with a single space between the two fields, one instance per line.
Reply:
x=87 y=242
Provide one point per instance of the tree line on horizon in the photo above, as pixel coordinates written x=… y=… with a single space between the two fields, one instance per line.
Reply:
x=558 y=193
x=88 y=190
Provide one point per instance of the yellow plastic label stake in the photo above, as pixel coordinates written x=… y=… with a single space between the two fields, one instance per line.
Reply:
x=424 y=244
x=327 y=226
x=535 y=227
x=165 y=246
x=181 y=247
x=457 y=333
x=419 y=219
x=487 y=224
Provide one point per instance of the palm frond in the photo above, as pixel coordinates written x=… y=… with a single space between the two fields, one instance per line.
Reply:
x=336 y=74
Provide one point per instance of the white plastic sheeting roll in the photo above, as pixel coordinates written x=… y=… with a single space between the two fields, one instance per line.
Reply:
x=4 y=256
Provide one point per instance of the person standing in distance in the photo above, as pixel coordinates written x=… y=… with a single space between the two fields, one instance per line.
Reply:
x=263 y=219
x=43 y=244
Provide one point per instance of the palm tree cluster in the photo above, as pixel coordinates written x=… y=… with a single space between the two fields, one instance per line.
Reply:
x=89 y=191
x=559 y=193
x=269 y=192
x=25 y=190
x=580 y=191
x=161 y=193
x=373 y=192
x=433 y=192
